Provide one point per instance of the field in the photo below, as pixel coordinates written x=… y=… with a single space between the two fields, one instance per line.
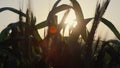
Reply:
x=21 y=45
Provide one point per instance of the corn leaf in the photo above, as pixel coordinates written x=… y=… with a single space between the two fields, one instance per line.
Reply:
x=41 y=25
x=53 y=12
x=108 y=24
x=116 y=42
x=111 y=27
x=61 y=8
x=113 y=50
x=4 y=34
x=36 y=35
x=13 y=10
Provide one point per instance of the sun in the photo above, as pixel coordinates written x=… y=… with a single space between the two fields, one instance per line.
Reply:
x=70 y=21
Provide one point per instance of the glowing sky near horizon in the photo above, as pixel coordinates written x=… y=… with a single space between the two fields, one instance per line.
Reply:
x=41 y=9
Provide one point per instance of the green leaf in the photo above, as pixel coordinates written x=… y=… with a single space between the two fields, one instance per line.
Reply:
x=36 y=35
x=13 y=10
x=112 y=48
x=108 y=24
x=111 y=27
x=5 y=33
x=60 y=8
x=41 y=25
x=116 y=42
x=53 y=12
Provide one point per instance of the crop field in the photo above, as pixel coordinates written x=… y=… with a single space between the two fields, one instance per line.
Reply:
x=21 y=45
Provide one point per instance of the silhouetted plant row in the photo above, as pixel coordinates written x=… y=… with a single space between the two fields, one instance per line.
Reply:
x=22 y=47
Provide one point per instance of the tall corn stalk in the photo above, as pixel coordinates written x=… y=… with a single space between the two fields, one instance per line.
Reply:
x=100 y=10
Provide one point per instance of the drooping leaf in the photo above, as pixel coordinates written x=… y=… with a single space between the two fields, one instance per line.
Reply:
x=13 y=10
x=108 y=24
x=53 y=12
x=111 y=27
x=5 y=33
x=60 y=8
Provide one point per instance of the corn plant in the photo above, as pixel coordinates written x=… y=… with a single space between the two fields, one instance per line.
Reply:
x=22 y=47
x=19 y=41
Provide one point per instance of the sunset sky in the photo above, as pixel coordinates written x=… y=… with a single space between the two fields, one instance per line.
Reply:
x=41 y=9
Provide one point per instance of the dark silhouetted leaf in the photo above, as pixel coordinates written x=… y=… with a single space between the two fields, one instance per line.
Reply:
x=111 y=27
x=13 y=10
